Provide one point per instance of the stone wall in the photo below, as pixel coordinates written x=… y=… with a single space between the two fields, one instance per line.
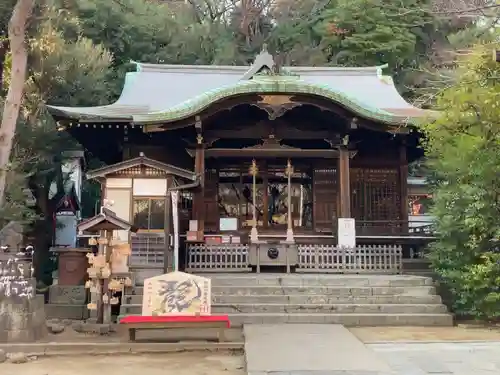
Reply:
x=22 y=319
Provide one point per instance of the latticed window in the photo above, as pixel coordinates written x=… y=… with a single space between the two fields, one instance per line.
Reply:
x=149 y=213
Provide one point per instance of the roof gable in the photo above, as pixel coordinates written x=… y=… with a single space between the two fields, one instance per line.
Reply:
x=141 y=161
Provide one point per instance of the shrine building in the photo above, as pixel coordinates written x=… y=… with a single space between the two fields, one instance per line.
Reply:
x=265 y=160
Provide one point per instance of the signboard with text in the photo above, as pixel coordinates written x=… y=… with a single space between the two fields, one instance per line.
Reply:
x=347 y=232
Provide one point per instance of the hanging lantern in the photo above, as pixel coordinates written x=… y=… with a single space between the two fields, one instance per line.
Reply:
x=88 y=284
x=92 y=241
x=105 y=299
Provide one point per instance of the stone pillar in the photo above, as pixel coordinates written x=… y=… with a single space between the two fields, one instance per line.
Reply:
x=22 y=314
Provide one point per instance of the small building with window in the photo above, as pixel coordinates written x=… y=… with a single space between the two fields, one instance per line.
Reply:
x=137 y=189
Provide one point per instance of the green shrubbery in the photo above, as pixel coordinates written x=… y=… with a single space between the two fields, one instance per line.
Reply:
x=463 y=150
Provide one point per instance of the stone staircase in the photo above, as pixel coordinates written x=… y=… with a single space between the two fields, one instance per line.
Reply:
x=296 y=298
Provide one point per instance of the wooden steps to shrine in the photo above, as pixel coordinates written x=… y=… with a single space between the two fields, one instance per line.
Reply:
x=352 y=300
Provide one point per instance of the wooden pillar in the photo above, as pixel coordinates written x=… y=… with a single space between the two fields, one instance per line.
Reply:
x=254 y=236
x=166 y=229
x=403 y=185
x=199 y=196
x=265 y=197
x=344 y=183
x=289 y=230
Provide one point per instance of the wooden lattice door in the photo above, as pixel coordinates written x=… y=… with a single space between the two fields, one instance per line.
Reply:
x=210 y=200
x=325 y=190
x=375 y=194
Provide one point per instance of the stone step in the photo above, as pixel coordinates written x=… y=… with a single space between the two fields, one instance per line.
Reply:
x=310 y=299
x=317 y=280
x=246 y=308
x=346 y=319
x=316 y=290
x=328 y=308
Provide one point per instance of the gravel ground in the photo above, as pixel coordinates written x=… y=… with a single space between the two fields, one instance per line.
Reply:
x=193 y=363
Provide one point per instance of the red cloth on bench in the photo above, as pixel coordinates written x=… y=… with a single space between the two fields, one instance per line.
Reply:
x=175 y=318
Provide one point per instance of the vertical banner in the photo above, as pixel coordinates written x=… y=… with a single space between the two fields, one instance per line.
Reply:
x=175 y=217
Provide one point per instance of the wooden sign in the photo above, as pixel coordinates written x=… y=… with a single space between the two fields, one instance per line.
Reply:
x=177 y=293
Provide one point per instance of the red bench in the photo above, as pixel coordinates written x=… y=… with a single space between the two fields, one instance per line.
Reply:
x=136 y=322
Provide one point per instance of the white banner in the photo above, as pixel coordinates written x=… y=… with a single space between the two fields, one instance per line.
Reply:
x=175 y=216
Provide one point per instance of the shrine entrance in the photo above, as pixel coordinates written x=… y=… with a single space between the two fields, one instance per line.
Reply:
x=241 y=194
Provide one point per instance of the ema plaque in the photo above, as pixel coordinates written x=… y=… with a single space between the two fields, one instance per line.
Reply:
x=177 y=293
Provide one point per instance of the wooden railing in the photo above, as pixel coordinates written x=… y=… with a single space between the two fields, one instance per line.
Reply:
x=362 y=259
x=217 y=258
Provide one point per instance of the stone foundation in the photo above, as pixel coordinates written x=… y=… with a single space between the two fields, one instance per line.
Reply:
x=67 y=302
x=22 y=319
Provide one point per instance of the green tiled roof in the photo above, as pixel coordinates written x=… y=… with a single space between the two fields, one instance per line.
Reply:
x=265 y=85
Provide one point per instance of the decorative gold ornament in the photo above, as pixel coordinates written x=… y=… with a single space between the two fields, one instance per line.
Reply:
x=275 y=100
x=92 y=241
x=253 y=168
x=92 y=306
x=289 y=168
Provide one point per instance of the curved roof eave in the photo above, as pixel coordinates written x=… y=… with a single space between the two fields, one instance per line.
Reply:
x=273 y=85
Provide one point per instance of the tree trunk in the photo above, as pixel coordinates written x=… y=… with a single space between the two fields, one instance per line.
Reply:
x=17 y=31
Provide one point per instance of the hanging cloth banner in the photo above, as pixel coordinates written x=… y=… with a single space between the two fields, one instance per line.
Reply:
x=175 y=217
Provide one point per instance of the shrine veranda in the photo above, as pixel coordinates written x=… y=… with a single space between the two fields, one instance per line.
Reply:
x=250 y=168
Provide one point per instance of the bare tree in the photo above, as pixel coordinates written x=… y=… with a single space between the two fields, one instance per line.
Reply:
x=17 y=33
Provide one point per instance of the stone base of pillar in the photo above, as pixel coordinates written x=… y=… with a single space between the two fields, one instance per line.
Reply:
x=289 y=235
x=254 y=235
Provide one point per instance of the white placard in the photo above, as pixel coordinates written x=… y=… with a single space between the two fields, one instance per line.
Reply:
x=228 y=224
x=347 y=232
x=175 y=217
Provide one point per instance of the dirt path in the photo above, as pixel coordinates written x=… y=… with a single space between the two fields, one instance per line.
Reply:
x=460 y=333
x=194 y=363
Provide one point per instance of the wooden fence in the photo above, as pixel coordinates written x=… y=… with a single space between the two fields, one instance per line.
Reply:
x=217 y=258
x=311 y=258
x=362 y=259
